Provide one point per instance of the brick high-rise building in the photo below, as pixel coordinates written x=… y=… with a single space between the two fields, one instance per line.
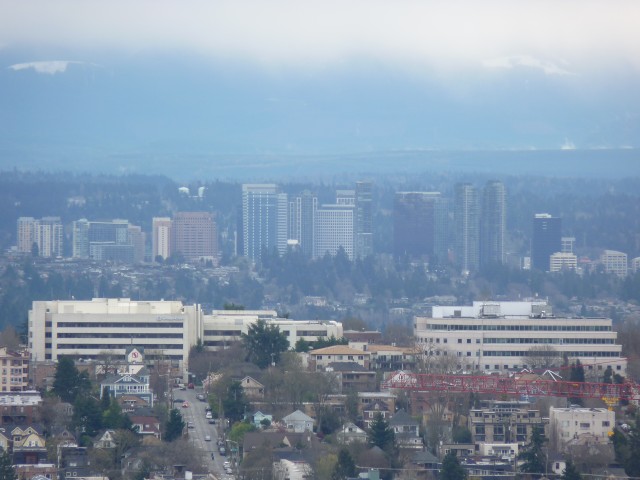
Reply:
x=194 y=235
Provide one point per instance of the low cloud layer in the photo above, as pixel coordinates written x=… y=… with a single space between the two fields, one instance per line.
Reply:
x=558 y=37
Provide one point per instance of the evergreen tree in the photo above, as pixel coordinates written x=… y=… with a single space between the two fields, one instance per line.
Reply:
x=533 y=455
x=451 y=468
x=381 y=434
x=264 y=343
x=174 y=426
x=576 y=374
x=345 y=467
x=7 y=471
x=66 y=379
x=571 y=472
x=235 y=403
x=631 y=450
x=87 y=415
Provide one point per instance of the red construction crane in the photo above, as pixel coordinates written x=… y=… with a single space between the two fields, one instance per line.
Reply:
x=493 y=384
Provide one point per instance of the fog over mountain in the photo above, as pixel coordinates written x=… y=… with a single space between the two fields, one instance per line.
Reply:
x=220 y=86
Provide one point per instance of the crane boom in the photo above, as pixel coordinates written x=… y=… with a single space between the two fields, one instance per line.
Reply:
x=493 y=384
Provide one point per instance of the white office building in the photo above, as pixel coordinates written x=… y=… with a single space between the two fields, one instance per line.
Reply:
x=223 y=327
x=614 y=262
x=93 y=328
x=560 y=261
x=334 y=229
x=498 y=336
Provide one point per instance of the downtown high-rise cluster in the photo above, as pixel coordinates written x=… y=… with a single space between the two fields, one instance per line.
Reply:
x=272 y=219
x=423 y=224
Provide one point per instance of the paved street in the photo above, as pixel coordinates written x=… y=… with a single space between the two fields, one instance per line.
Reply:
x=195 y=413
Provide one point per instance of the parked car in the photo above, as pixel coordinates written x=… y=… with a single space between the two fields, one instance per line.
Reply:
x=207 y=438
x=191 y=386
x=208 y=415
x=190 y=425
x=223 y=451
x=185 y=405
x=212 y=421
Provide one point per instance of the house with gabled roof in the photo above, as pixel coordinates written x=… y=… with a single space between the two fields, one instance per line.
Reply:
x=298 y=422
x=252 y=388
x=351 y=433
x=258 y=417
x=278 y=441
x=146 y=425
x=127 y=384
x=29 y=445
x=106 y=440
x=406 y=430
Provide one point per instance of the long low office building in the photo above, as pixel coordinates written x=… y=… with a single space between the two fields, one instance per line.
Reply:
x=499 y=336
x=91 y=329
x=223 y=327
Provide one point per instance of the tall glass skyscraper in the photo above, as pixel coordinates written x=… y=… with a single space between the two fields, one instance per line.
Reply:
x=493 y=223
x=264 y=219
x=302 y=211
x=545 y=241
x=364 y=219
x=467 y=226
x=419 y=228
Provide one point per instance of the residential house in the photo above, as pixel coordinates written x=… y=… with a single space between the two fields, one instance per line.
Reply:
x=132 y=403
x=351 y=433
x=64 y=437
x=298 y=422
x=428 y=462
x=283 y=441
x=372 y=403
x=252 y=388
x=146 y=426
x=406 y=430
x=127 y=384
x=29 y=445
x=106 y=440
x=258 y=417
x=322 y=357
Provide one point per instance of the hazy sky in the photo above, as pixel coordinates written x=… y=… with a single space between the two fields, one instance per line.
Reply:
x=256 y=76
x=560 y=37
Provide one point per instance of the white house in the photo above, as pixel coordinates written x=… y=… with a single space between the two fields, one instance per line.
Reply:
x=298 y=422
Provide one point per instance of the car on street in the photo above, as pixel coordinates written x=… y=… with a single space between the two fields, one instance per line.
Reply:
x=190 y=425
x=185 y=405
x=207 y=438
x=212 y=421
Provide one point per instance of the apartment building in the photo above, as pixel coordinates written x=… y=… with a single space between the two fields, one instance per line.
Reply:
x=504 y=422
x=14 y=375
x=497 y=336
x=579 y=425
